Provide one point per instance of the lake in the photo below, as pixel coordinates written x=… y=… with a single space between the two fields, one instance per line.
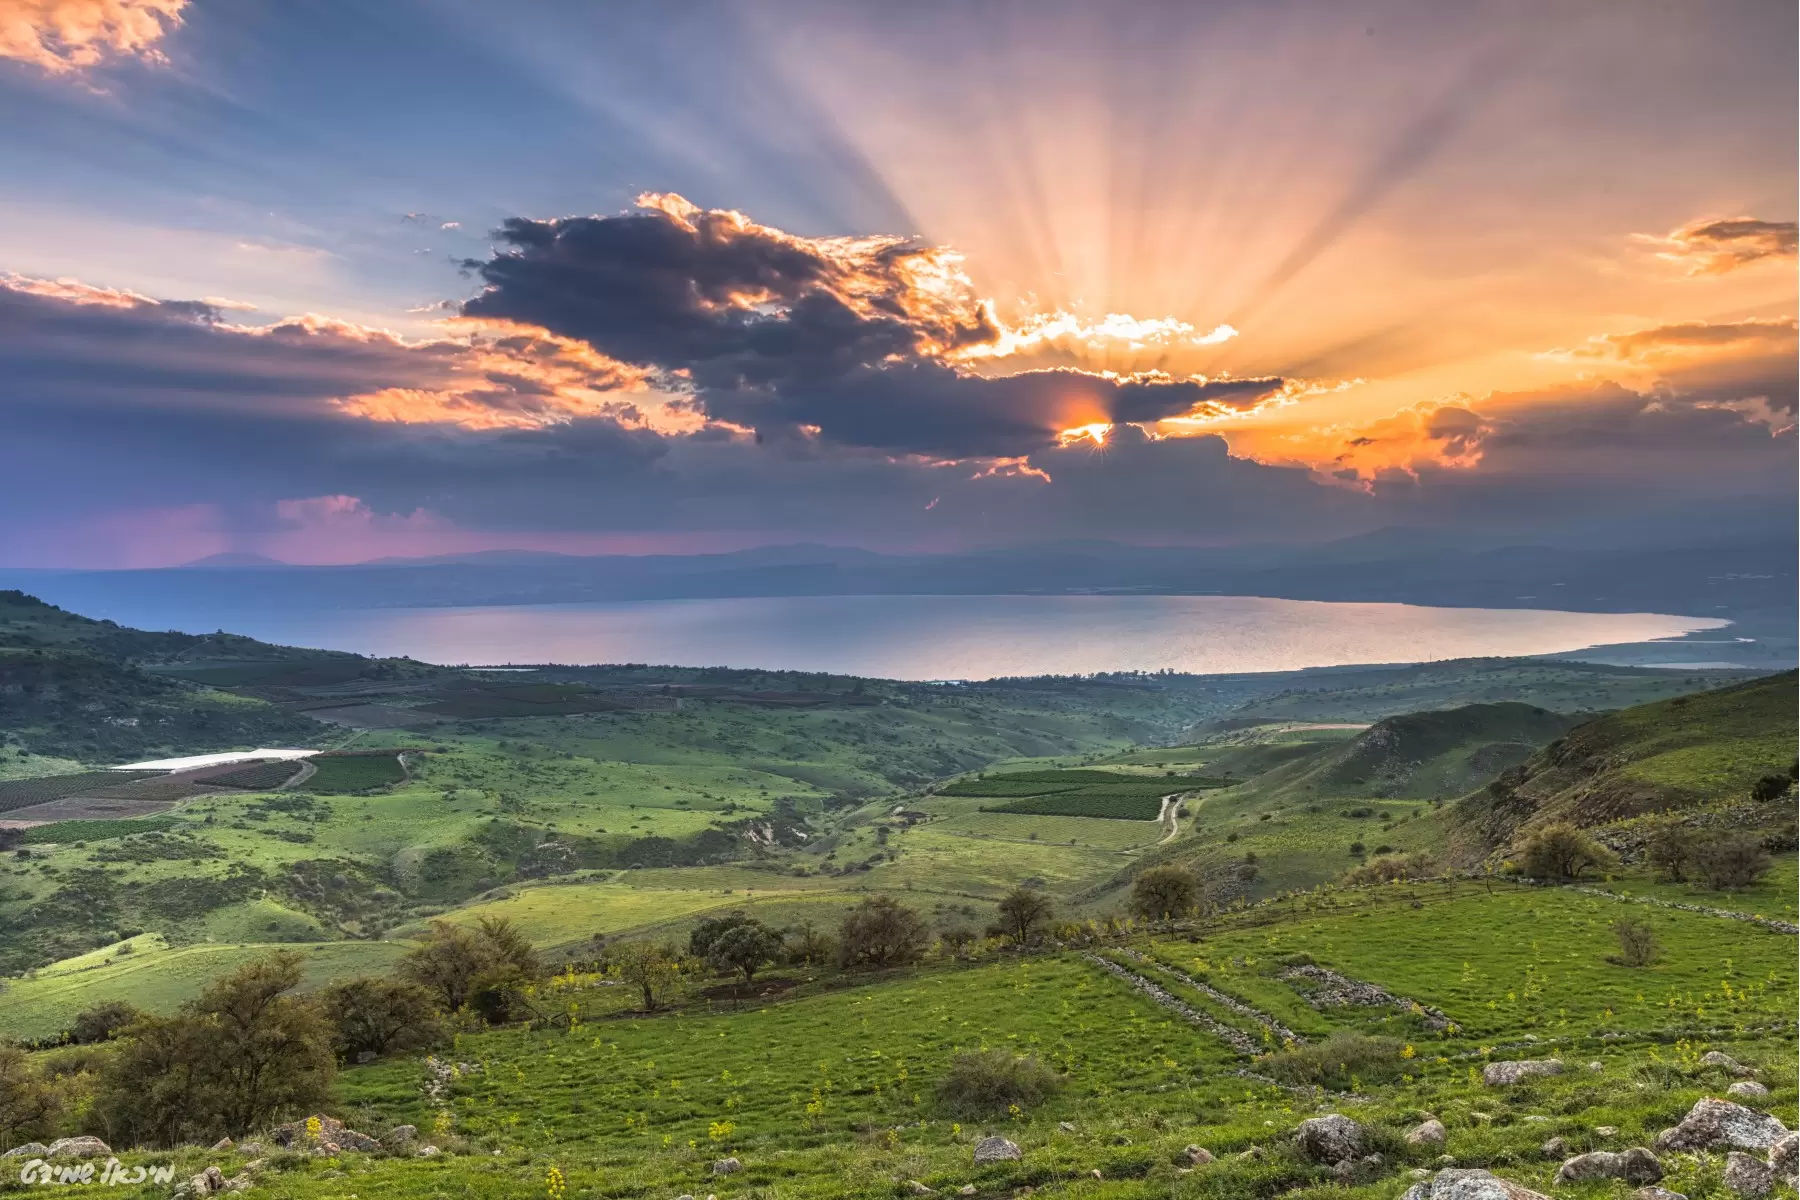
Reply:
x=959 y=637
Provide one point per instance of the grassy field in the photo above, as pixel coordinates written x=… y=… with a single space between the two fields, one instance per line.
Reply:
x=158 y=979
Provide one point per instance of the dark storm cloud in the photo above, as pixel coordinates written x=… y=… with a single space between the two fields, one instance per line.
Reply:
x=850 y=340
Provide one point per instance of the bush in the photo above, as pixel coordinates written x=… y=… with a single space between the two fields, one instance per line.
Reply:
x=745 y=948
x=1385 y=870
x=990 y=1081
x=99 y=1023
x=1344 y=1056
x=452 y=960
x=1637 y=942
x=654 y=970
x=1561 y=851
x=1164 y=893
x=1730 y=860
x=809 y=946
x=881 y=933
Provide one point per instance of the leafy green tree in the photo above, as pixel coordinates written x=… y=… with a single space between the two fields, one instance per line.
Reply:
x=452 y=960
x=100 y=1022
x=375 y=1015
x=700 y=941
x=744 y=948
x=654 y=970
x=245 y=1052
x=881 y=932
x=29 y=1103
x=1023 y=913
x=1165 y=893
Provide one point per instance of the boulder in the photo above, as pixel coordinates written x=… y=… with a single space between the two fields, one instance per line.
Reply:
x=996 y=1149
x=1066 y=1126
x=1746 y=1175
x=1427 y=1133
x=28 y=1150
x=1606 y=1131
x=77 y=1147
x=1329 y=1139
x=1555 y=1147
x=223 y=1144
x=1718 y=1058
x=400 y=1135
x=1715 y=1124
x=1656 y=1193
x=1635 y=1166
x=1197 y=1156
x=1471 y=1184
x=915 y=1188
x=1784 y=1156
x=1503 y=1074
x=1748 y=1089
x=250 y=1149
x=428 y=1152
x=967 y=1189
x=727 y=1166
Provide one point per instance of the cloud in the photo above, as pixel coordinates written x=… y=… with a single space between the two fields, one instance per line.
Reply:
x=861 y=342
x=1716 y=245
x=1690 y=338
x=63 y=36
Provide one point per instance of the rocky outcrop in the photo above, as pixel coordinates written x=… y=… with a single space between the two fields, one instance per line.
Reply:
x=1333 y=990
x=1748 y=1089
x=1330 y=1139
x=1717 y=1124
x=77 y=1147
x=996 y=1149
x=28 y=1150
x=1784 y=1156
x=1504 y=1074
x=727 y=1166
x=1724 y=1061
x=333 y=1136
x=1197 y=1156
x=1635 y=1166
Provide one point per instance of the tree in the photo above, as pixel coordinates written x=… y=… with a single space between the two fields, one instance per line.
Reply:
x=1671 y=850
x=881 y=933
x=1730 y=860
x=700 y=941
x=958 y=938
x=100 y=1022
x=1561 y=851
x=1164 y=893
x=29 y=1103
x=509 y=945
x=243 y=1053
x=654 y=970
x=744 y=948
x=447 y=962
x=375 y=1015
x=1023 y=913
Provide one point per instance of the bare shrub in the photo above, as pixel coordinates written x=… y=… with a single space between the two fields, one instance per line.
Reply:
x=1637 y=943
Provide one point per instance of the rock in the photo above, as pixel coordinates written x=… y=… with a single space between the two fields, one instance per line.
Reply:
x=1427 y=1133
x=1555 y=1148
x=1718 y=1058
x=915 y=1188
x=1329 y=1139
x=400 y=1135
x=366 y=1056
x=1746 y=1176
x=332 y=1137
x=996 y=1149
x=1595 y=1066
x=1418 y=1173
x=28 y=1150
x=1606 y=1131
x=1656 y=1193
x=223 y=1144
x=1712 y=1124
x=1252 y=1154
x=1197 y=1156
x=250 y=1150
x=1784 y=1156
x=1748 y=1089
x=967 y=1189
x=1535 y=1118
x=205 y=1183
x=1343 y=1171
x=1503 y=1074
x=77 y=1147
x=1445 y=1160
x=1373 y=1160
x=1635 y=1166
x=1470 y=1185
x=1095 y=1173
x=727 y=1166
x=1066 y=1126
x=428 y=1152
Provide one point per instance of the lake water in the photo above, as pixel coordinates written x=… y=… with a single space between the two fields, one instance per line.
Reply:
x=962 y=637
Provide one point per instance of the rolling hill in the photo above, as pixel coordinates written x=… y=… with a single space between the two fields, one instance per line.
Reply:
x=1694 y=756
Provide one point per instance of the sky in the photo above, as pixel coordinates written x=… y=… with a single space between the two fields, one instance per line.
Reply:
x=337 y=281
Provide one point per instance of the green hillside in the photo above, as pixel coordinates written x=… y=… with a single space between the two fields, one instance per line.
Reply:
x=1696 y=757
